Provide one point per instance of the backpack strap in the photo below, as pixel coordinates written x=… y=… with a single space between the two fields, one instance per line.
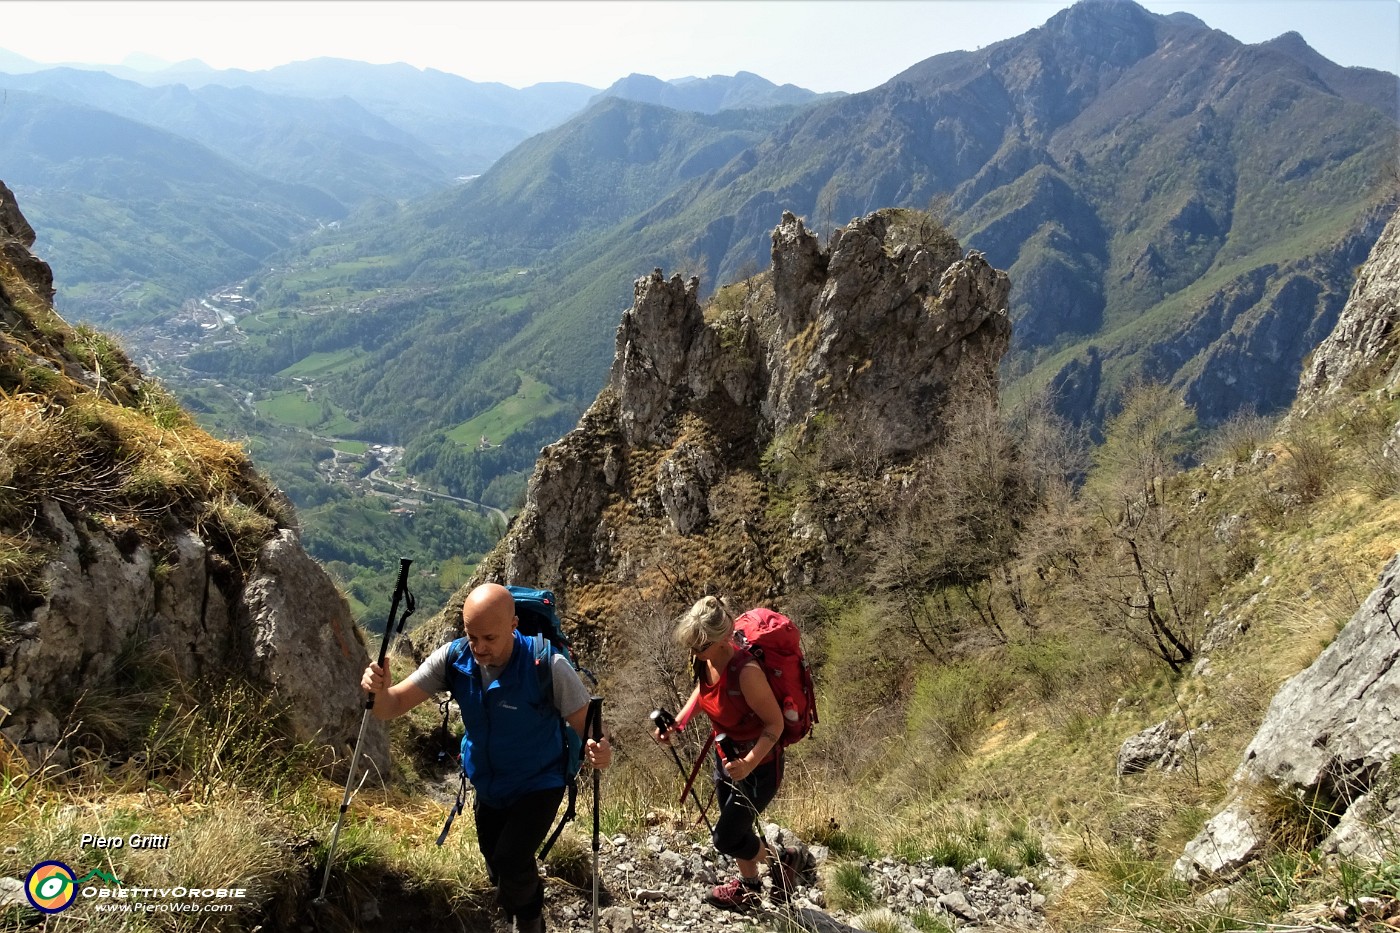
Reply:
x=544 y=667
x=743 y=657
x=456 y=808
x=445 y=744
x=446 y=748
x=455 y=650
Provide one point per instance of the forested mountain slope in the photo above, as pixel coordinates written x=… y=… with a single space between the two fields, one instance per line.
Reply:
x=144 y=219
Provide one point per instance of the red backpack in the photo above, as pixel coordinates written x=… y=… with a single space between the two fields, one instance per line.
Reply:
x=776 y=645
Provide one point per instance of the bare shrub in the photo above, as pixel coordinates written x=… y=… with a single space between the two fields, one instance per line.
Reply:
x=948 y=556
x=1151 y=582
x=1151 y=574
x=1373 y=437
x=1309 y=468
x=1236 y=439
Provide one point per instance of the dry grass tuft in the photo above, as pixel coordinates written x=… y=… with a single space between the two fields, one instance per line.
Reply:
x=82 y=427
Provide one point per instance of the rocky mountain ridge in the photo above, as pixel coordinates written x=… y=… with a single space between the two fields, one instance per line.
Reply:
x=1363 y=349
x=846 y=353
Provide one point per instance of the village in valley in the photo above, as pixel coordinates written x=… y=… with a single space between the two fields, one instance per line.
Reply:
x=227 y=317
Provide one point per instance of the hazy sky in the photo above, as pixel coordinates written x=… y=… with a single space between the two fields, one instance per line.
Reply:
x=822 y=45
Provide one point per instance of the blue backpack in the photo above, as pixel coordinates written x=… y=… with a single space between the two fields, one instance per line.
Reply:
x=538 y=619
x=535 y=610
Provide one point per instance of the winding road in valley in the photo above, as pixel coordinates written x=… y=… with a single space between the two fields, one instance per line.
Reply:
x=406 y=492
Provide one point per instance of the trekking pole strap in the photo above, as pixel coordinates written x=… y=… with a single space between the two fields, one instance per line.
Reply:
x=456 y=809
x=569 y=813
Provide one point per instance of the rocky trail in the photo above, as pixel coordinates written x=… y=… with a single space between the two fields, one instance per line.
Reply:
x=657 y=881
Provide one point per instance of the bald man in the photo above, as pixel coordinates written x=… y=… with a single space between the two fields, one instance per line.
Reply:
x=513 y=751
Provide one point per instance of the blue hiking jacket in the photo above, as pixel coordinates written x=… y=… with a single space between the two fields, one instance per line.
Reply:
x=513 y=741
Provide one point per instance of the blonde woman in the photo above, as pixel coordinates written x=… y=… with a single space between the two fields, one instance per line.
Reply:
x=733 y=692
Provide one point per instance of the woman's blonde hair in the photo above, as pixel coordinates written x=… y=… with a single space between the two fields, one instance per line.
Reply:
x=706 y=621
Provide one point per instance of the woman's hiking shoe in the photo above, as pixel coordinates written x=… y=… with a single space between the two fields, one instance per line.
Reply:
x=735 y=894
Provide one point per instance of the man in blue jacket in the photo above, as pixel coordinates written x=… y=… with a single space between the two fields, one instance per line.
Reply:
x=513 y=750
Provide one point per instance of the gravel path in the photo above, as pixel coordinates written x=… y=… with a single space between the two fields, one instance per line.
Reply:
x=657 y=881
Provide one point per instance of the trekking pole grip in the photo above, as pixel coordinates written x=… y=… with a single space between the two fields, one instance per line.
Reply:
x=595 y=718
x=663 y=721
x=400 y=591
x=594 y=727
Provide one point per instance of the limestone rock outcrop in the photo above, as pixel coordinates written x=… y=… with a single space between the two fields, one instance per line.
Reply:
x=1329 y=740
x=1365 y=341
x=668 y=471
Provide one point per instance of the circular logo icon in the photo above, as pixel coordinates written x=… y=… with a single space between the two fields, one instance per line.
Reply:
x=50 y=887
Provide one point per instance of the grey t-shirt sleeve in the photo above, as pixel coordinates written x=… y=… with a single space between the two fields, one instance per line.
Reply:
x=431 y=676
x=570 y=695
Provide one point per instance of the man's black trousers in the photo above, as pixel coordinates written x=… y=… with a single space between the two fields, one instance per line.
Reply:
x=509 y=837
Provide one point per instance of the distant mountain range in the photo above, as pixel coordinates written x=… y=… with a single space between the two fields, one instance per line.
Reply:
x=358 y=133
x=1171 y=204
x=138 y=217
x=745 y=90
x=460 y=126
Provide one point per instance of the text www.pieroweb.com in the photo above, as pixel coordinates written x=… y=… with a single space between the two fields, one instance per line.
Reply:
x=125 y=907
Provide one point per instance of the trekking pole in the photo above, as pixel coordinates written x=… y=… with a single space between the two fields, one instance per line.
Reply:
x=695 y=772
x=730 y=752
x=594 y=727
x=665 y=722
x=400 y=590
